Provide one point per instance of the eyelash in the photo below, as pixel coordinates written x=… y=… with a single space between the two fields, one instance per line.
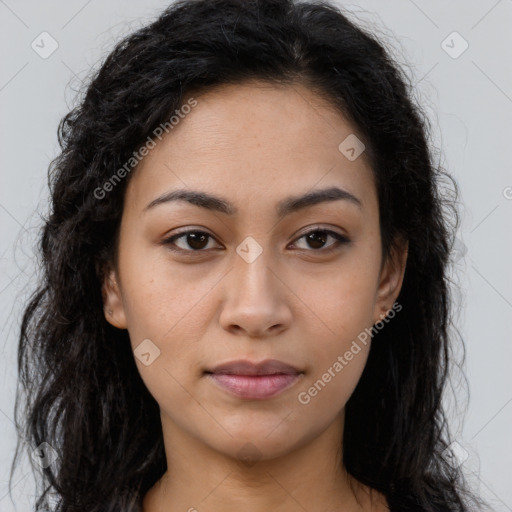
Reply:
x=340 y=239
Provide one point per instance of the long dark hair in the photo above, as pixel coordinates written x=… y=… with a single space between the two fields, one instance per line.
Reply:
x=80 y=390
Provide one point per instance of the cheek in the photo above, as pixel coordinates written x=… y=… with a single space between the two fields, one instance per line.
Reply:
x=339 y=333
x=161 y=297
x=338 y=304
x=334 y=376
x=172 y=309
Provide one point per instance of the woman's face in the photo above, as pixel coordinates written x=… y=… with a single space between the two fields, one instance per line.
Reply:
x=249 y=284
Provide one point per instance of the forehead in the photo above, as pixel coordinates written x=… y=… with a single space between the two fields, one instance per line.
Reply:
x=255 y=113
x=253 y=139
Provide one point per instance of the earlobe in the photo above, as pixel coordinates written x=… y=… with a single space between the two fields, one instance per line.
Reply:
x=391 y=280
x=112 y=301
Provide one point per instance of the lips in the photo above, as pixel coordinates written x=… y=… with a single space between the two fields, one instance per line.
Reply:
x=254 y=381
x=268 y=367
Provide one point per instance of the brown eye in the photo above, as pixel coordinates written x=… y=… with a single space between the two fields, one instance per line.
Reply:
x=317 y=238
x=197 y=241
x=193 y=241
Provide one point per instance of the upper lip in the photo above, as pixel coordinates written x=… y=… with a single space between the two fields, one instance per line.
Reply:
x=244 y=367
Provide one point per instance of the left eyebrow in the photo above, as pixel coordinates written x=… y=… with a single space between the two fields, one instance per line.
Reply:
x=285 y=207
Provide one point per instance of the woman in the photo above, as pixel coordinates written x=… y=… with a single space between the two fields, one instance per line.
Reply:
x=245 y=300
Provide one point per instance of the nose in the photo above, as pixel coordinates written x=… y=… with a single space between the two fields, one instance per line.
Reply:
x=256 y=299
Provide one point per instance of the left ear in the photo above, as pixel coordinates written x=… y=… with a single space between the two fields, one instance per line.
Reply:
x=391 y=279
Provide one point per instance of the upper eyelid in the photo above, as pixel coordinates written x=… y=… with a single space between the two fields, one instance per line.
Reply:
x=310 y=229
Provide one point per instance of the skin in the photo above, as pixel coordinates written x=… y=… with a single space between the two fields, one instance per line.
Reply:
x=254 y=145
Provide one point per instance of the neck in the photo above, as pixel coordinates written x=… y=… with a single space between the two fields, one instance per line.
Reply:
x=311 y=477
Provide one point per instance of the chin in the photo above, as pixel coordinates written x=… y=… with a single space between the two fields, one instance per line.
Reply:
x=258 y=444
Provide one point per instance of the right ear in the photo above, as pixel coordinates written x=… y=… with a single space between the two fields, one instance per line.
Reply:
x=112 y=300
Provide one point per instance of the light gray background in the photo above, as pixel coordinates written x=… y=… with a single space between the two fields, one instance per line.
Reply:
x=469 y=102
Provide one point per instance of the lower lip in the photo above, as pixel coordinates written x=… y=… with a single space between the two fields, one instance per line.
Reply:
x=255 y=387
